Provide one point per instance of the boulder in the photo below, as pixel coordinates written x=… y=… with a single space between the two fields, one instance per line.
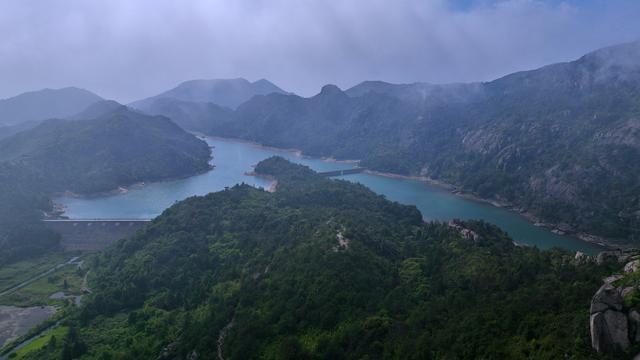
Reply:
x=634 y=325
x=607 y=297
x=619 y=255
x=600 y=337
x=612 y=278
x=582 y=258
x=609 y=330
x=618 y=327
x=632 y=266
x=607 y=256
x=626 y=291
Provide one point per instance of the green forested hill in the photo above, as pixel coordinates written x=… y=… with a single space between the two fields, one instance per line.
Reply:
x=190 y=115
x=21 y=205
x=119 y=148
x=325 y=269
x=562 y=141
x=45 y=104
x=84 y=156
x=193 y=104
x=228 y=93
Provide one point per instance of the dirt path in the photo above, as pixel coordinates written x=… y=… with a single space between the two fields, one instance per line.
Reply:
x=222 y=335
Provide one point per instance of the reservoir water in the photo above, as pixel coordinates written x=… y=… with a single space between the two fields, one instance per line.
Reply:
x=233 y=160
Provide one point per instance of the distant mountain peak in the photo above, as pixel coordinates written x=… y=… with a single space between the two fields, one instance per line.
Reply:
x=99 y=109
x=330 y=89
x=621 y=57
x=223 y=92
x=45 y=104
x=263 y=81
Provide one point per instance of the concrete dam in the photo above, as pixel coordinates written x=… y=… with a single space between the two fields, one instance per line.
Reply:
x=92 y=234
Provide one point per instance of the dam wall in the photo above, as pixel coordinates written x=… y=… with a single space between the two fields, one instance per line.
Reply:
x=93 y=235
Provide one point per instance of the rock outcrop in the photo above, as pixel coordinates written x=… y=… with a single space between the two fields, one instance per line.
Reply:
x=614 y=315
x=632 y=266
x=619 y=255
x=466 y=233
x=609 y=325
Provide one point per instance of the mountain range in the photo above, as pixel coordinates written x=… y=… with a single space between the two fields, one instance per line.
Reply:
x=561 y=143
x=115 y=148
x=328 y=269
x=45 y=104
x=193 y=103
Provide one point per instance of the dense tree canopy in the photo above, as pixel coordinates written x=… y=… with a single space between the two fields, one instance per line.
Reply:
x=118 y=148
x=327 y=269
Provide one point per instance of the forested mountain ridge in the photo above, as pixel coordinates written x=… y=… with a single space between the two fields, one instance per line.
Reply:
x=97 y=110
x=327 y=269
x=119 y=148
x=424 y=94
x=190 y=115
x=192 y=104
x=561 y=142
x=45 y=104
x=98 y=154
x=222 y=92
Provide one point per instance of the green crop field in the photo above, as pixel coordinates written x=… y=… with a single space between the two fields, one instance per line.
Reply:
x=67 y=279
x=58 y=332
x=16 y=273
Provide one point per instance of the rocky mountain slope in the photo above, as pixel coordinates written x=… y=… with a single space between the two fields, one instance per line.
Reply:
x=424 y=94
x=561 y=142
x=45 y=104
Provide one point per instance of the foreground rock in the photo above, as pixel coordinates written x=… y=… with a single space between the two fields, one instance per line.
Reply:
x=615 y=311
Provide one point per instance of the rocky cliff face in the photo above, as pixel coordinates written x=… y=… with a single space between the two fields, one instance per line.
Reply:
x=615 y=309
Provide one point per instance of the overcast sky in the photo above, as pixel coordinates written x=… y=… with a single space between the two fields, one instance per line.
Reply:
x=126 y=49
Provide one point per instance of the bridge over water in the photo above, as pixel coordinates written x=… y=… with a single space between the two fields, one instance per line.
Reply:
x=93 y=234
x=342 y=172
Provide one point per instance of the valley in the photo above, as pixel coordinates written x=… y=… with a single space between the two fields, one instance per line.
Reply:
x=235 y=219
x=232 y=160
x=545 y=140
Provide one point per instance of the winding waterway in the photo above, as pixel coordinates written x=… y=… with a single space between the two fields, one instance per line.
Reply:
x=233 y=159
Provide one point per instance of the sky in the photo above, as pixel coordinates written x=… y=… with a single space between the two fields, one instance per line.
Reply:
x=127 y=50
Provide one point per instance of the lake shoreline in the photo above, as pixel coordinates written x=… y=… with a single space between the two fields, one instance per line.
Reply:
x=297 y=152
x=123 y=189
x=273 y=185
x=249 y=158
x=606 y=244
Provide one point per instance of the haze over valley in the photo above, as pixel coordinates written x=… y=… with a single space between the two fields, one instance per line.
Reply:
x=320 y=180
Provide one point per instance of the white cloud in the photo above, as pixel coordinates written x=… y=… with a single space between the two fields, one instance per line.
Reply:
x=126 y=49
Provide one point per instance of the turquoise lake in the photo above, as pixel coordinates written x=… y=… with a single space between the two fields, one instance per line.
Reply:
x=233 y=159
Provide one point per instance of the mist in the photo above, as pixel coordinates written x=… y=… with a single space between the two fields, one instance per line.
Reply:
x=127 y=50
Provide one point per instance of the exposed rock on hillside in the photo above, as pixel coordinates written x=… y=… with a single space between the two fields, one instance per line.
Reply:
x=615 y=309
